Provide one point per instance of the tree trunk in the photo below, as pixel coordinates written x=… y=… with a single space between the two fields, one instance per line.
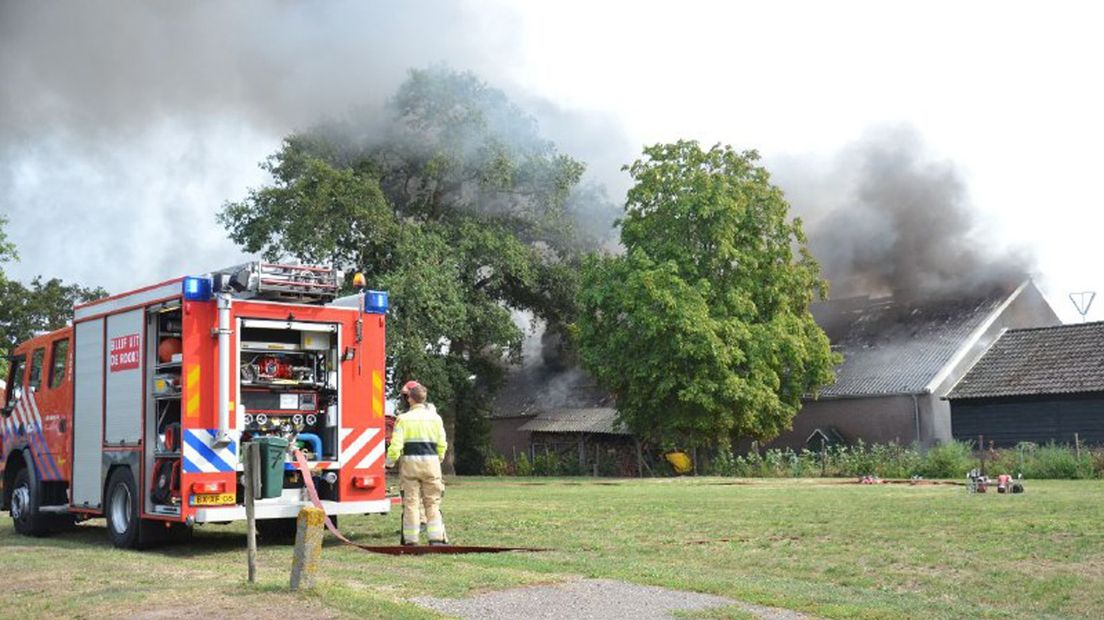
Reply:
x=449 y=465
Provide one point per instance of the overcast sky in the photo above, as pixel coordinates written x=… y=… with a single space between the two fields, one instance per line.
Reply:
x=124 y=128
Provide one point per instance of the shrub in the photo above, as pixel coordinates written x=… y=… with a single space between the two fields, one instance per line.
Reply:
x=547 y=464
x=609 y=463
x=949 y=460
x=1098 y=462
x=1054 y=461
x=496 y=465
x=522 y=466
x=892 y=460
x=723 y=464
x=570 y=465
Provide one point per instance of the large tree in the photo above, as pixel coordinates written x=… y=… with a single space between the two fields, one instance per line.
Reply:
x=702 y=327
x=456 y=206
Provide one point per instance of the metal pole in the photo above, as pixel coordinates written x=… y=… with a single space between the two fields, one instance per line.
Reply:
x=224 y=302
x=250 y=467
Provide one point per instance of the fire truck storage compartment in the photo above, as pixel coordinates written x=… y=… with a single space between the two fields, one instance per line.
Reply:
x=88 y=398
x=123 y=401
x=164 y=351
x=289 y=382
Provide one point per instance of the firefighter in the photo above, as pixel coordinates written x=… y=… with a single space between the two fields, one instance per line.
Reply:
x=419 y=438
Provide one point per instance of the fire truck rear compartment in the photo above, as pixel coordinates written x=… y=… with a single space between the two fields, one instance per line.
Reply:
x=289 y=384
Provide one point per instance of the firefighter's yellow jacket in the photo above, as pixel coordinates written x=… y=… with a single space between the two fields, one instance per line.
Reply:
x=419 y=432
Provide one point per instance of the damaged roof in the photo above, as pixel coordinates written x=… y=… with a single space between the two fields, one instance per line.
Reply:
x=891 y=346
x=590 y=420
x=536 y=388
x=1063 y=359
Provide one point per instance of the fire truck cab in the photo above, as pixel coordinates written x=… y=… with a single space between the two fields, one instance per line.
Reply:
x=139 y=410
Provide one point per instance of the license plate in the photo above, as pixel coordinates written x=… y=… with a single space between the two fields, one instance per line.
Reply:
x=214 y=499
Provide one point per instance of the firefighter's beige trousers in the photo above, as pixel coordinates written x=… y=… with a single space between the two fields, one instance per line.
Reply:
x=421 y=484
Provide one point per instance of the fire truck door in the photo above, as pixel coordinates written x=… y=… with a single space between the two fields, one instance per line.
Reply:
x=53 y=401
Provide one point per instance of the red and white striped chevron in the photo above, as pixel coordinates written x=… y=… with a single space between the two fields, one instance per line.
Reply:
x=361 y=448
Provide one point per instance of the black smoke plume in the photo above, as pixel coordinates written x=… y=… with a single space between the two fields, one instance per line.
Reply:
x=885 y=217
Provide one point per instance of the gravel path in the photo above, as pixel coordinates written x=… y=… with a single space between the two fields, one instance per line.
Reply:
x=590 y=599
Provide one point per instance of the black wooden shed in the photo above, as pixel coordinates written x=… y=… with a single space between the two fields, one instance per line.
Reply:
x=1039 y=385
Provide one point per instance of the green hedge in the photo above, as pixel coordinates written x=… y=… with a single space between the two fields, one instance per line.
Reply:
x=948 y=460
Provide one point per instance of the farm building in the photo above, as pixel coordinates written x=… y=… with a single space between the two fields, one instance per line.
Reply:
x=1036 y=385
x=900 y=358
x=544 y=407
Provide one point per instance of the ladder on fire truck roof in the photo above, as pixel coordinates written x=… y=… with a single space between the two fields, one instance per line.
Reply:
x=269 y=281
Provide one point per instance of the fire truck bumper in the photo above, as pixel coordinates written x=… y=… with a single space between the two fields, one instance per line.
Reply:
x=283 y=510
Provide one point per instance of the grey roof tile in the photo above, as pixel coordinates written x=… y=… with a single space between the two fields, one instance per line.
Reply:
x=895 y=347
x=1062 y=359
x=590 y=420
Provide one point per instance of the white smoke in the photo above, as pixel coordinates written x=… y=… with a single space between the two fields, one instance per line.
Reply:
x=124 y=126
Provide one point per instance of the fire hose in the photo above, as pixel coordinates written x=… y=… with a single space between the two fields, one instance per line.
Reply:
x=308 y=482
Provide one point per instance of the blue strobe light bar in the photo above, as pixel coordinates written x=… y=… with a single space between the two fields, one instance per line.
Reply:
x=197 y=288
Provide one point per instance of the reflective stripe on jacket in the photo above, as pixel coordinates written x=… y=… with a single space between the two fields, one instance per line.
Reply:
x=418 y=433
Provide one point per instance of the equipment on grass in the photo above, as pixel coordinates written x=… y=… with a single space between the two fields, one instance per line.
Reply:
x=976 y=482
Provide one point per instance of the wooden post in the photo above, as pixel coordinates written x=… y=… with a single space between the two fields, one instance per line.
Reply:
x=981 y=446
x=1077 y=446
x=823 y=457
x=639 y=458
x=308 y=547
x=250 y=469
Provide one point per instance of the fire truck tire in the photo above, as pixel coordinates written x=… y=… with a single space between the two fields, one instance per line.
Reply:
x=124 y=526
x=280 y=531
x=25 y=501
x=178 y=533
x=276 y=531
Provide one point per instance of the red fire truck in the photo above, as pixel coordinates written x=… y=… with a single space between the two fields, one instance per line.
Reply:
x=138 y=412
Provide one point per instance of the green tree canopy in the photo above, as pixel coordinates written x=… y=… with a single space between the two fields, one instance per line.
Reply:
x=456 y=206
x=702 y=328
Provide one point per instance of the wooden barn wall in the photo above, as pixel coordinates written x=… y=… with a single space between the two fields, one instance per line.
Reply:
x=507 y=439
x=1007 y=422
x=874 y=420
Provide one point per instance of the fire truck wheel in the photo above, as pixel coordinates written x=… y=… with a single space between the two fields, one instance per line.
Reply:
x=178 y=533
x=124 y=526
x=280 y=531
x=26 y=518
x=276 y=531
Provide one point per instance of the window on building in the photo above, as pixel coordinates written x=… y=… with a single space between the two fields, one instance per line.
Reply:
x=37 y=358
x=15 y=379
x=59 y=357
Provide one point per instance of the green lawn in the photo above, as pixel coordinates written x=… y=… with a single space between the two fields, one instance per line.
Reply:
x=832 y=549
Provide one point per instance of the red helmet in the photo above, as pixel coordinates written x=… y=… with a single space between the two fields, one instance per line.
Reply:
x=409 y=385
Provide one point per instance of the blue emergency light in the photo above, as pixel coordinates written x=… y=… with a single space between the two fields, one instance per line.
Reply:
x=197 y=288
x=375 y=302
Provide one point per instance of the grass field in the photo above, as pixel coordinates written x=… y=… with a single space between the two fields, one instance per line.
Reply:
x=824 y=547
